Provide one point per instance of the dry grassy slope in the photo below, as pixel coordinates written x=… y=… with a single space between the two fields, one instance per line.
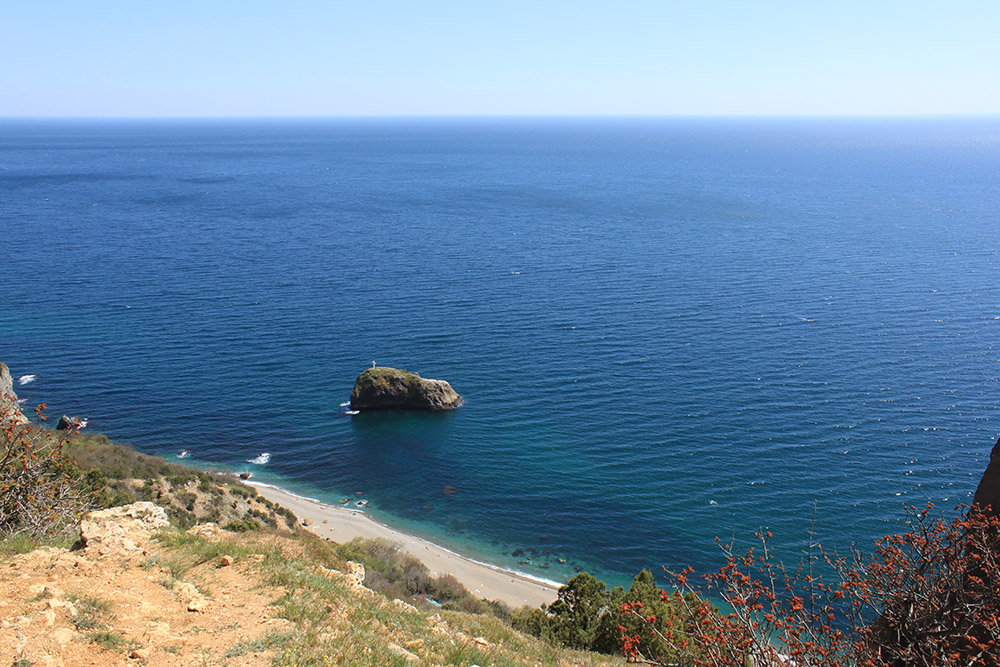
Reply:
x=189 y=496
x=212 y=597
x=268 y=594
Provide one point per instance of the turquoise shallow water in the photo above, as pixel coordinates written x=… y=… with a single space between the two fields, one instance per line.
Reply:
x=665 y=330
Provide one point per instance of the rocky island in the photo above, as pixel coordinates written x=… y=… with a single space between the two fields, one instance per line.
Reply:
x=381 y=388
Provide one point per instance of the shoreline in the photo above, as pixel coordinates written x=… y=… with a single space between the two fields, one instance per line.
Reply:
x=484 y=580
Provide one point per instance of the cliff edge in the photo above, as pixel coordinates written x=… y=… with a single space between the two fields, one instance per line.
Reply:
x=9 y=411
x=380 y=388
x=988 y=491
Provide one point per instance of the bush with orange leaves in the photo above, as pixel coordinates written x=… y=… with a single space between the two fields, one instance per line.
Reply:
x=41 y=490
x=927 y=597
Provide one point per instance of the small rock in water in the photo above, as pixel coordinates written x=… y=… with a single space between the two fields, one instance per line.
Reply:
x=68 y=423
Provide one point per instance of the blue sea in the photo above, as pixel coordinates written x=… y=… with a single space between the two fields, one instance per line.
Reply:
x=665 y=330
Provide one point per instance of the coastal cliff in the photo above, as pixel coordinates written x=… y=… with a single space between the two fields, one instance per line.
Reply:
x=988 y=491
x=380 y=388
x=9 y=411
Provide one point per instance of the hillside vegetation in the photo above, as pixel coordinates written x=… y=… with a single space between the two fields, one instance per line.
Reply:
x=207 y=596
x=233 y=580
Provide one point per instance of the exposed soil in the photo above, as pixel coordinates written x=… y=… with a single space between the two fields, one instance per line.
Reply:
x=57 y=607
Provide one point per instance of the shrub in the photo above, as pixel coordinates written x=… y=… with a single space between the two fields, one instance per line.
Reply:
x=242 y=491
x=927 y=597
x=399 y=575
x=244 y=526
x=186 y=499
x=588 y=616
x=42 y=492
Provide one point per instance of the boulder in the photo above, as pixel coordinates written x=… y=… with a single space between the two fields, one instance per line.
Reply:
x=68 y=424
x=988 y=491
x=61 y=636
x=355 y=574
x=9 y=411
x=409 y=656
x=122 y=529
x=380 y=388
x=208 y=531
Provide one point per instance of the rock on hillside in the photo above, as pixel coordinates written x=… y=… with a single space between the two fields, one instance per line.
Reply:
x=8 y=399
x=122 y=528
x=380 y=388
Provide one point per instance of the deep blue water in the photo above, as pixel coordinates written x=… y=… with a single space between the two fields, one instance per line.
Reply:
x=665 y=330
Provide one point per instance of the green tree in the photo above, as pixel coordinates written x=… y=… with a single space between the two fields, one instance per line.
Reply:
x=587 y=615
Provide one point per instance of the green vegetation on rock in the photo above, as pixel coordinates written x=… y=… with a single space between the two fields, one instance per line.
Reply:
x=380 y=388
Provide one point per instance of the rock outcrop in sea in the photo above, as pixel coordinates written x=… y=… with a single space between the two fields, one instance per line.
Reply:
x=68 y=424
x=380 y=388
x=9 y=411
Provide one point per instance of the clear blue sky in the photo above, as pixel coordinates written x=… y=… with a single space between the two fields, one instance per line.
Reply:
x=501 y=57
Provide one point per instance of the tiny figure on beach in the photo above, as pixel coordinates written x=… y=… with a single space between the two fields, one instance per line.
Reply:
x=373 y=363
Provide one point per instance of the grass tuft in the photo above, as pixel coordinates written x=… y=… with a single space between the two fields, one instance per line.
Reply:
x=92 y=612
x=111 y=640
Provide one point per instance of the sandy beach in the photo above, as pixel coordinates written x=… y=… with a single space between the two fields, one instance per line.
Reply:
x=341 y=524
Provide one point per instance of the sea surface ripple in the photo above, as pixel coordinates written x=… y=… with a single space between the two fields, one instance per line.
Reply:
x=665 y=330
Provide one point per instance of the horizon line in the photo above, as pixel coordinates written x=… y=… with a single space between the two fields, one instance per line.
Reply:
x=562 y=116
